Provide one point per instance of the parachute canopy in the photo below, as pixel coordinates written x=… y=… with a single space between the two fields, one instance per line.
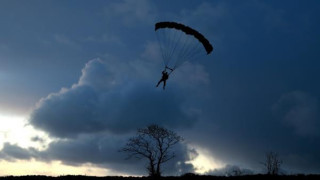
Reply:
x=180 y=43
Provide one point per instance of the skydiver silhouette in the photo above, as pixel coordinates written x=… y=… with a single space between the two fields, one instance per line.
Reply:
x=165 y=77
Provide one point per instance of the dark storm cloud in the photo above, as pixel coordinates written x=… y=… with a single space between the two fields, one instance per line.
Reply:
x=103 y=150
x=300 y=111
x=244 y=142
x=38 y=139
x=263 y=79
x=258 y=63
x=106 y=100
x=94 y=117
x=99 y=149
x=13 y=152
x=252 y=105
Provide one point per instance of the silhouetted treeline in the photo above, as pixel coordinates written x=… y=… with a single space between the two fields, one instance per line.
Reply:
x=183 y=177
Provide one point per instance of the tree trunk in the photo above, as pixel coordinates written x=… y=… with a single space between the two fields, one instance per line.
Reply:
x=158 y=170
x=151 y=169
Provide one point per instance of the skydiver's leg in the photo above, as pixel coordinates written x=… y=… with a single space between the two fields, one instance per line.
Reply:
x=159 y=82
x=164 y=84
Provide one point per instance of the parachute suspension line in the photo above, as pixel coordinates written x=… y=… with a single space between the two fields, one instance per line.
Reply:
x=165 y=43
x=192 y=52
x=170 y=44
x=186 y=56
x=182 y=49
x=180 y=43
x=170 y=34
x=176 y=43
x=187 y=50
x=196 y=49
x=161 y=48
x=194 y=56
x=197 y=52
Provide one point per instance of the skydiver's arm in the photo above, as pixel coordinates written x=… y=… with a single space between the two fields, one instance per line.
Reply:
x=169 y=68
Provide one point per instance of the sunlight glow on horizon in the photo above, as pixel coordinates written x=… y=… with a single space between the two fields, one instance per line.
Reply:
x=15 y=130
x=54 y=168
x=205 y=161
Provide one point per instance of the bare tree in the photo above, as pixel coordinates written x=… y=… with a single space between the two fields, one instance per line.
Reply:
x=152 y=143
x=272 y=163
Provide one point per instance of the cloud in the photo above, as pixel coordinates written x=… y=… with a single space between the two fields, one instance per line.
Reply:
x=91 y=120
x=249 y=70
x=131 y=12
x=96 y=149
x=11 y=152
x=64 y=40
x=211 y=12
x=209 y=19
x=102 y=150
x=106 y=98
x=299 y=110
x=106 y=37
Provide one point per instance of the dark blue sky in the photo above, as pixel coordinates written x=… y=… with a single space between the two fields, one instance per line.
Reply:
x=95 y=65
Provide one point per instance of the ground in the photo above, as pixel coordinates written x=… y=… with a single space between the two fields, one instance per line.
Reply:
x=185 y=177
